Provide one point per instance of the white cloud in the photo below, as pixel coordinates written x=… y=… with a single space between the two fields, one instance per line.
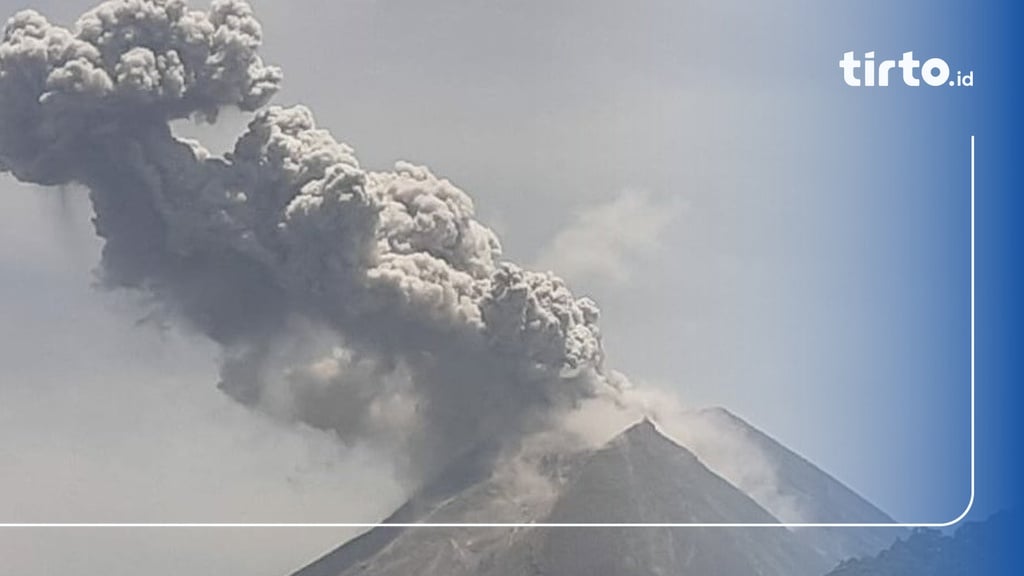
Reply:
x=603 y=241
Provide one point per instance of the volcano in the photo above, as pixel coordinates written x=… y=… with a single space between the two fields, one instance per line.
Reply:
x=640 y=476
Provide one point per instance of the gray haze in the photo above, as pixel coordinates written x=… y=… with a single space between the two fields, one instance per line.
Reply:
x=549 y=115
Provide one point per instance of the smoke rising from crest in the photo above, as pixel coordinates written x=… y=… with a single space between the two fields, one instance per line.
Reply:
x=372 y=304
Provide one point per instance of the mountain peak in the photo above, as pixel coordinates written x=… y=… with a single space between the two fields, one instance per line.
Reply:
x=640 y=476
x=644 y=429
x=644 y=437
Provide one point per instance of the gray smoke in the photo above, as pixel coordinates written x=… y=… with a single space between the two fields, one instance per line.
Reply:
x=368 y=303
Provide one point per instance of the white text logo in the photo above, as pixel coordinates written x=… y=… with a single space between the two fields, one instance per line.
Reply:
x=933 y=71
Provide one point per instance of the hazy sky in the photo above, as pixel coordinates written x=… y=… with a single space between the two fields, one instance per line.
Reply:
x=656 y=154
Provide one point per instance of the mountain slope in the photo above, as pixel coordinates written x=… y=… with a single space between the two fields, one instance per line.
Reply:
x=786 y=484
x=640 y=476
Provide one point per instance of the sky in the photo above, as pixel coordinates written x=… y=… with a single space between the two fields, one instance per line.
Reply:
x=686 y=164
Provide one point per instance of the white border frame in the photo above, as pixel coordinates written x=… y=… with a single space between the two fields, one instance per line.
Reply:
x=970 y=502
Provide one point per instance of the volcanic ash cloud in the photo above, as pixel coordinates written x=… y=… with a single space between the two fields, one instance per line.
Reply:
x=369 y=303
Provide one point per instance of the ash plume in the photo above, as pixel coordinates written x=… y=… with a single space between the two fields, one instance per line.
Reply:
x=372 y=304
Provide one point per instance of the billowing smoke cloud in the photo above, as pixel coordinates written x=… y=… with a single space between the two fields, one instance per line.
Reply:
x=369 y=303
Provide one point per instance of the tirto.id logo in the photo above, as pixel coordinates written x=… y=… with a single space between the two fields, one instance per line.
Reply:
x=933 y=71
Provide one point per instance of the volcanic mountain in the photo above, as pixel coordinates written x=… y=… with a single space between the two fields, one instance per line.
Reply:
x=784 y=483
x=640 y=476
